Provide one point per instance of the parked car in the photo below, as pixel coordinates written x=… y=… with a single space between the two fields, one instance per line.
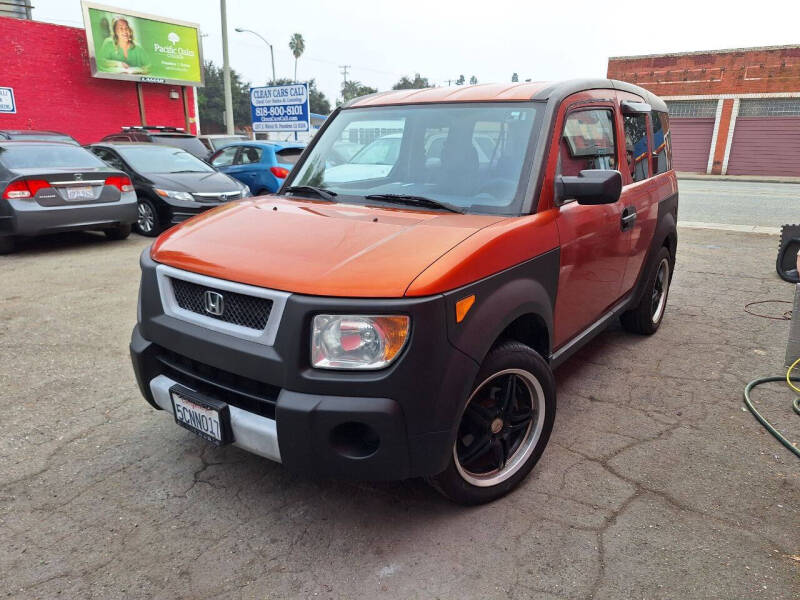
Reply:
x=49 y=187
x=167 y=136
x=263 y=166
x=171 y=184
x=34 y=135
x=218 y=140
x=408 y=325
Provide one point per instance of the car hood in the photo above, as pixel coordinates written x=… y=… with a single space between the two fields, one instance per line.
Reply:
x=194 y=182
x=317 y=248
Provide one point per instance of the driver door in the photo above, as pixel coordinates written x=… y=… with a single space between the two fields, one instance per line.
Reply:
x=594 y=251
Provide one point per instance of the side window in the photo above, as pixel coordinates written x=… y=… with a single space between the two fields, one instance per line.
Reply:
x=224 y=158
x=587 y=142
x=109 y=158
x=662 y=151
x=636 y=145
x=250 y=154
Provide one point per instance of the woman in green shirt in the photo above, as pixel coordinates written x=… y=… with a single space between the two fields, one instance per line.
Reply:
x=119 y=52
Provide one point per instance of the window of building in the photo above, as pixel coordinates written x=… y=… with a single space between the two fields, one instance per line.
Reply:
x=693 y=109
x=587 y=142
x=770 y=107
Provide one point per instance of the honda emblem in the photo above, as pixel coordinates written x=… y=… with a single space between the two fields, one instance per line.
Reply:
x=214 y=303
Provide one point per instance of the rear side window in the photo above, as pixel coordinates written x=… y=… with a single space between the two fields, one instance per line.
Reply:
x=44 y=156
x=189 y=143
x=636 y=145
x=662 y=148
x=109 y=157
x=587 y=142
x=289 y=156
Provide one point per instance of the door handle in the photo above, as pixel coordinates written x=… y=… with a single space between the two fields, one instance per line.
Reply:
x=628 y=218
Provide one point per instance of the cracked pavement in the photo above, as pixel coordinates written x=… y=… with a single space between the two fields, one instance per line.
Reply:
x=655 y=483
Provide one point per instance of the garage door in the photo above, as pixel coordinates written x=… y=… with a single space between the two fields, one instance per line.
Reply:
x=766 y=138
x=692 y=126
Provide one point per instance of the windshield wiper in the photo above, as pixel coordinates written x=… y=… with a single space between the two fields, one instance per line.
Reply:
x=321 y=192
x=187 y=171
x=415 y=200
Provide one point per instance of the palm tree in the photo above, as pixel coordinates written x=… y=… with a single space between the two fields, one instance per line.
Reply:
x=297 y=45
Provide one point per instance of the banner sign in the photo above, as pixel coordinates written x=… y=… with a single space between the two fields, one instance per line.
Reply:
x=280 y=108
x=137 y=47
x=7 y=104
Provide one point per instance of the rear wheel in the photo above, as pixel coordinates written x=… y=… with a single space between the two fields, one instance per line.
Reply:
x=646 y=317
x=6 y=245
x=504 y=428
x=148 y=222
x=120 y=232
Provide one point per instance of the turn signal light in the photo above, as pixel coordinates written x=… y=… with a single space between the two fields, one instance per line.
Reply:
x=25 y=188
x=279 y=172
x=463 y=306
x=122 y=183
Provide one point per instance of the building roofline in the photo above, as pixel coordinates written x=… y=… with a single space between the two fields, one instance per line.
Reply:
x=698 y=52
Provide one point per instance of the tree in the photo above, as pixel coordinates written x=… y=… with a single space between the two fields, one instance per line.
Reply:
x=297 y=45
x=317 y=100
x=460 y=80
x=211 y=99
x=353 y=89
x=473 y=80
x=514 y=77
x=412 y=84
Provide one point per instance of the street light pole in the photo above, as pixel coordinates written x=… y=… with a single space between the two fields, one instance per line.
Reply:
x=226 y=69
x=271 y=53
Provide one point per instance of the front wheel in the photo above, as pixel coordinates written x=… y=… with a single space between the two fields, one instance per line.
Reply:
x=148 y=222
x=504 y=428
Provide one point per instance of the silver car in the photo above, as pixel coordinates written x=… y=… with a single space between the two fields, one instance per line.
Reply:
x=48 y=187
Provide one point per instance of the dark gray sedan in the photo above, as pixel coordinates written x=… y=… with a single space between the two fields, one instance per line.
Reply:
x=48 y=187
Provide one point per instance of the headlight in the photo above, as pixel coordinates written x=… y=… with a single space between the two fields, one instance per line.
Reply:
x=175 y=195
x=357 y=342
x=246 y=193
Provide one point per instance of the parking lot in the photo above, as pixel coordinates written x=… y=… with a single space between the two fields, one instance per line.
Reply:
x=655 y=484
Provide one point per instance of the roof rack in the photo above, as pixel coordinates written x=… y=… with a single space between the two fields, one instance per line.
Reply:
x=152 y=127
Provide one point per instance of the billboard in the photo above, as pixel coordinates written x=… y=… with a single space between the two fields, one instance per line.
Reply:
x=136 y=47
x=280 y=108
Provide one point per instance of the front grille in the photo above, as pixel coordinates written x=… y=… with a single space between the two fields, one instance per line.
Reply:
x=248 y=394
x=216 y=198
x=239 y=309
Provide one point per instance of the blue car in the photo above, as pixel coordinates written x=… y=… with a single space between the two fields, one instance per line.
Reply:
x=262 y=166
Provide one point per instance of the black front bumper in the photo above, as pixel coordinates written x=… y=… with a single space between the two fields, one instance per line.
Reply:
x=394 y=423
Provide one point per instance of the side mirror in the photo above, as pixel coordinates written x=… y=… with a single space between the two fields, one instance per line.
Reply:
x=591 y=186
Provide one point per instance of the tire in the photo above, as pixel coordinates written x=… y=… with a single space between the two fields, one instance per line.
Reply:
x=645 y=318
x=6 y=245
x=120 y=232
x=475 y=474
x=149 y=223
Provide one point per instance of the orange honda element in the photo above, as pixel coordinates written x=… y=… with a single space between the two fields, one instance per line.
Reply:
x=398 y=307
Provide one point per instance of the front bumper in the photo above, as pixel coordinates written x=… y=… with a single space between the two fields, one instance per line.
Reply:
x=391 y=424
x=26 y=217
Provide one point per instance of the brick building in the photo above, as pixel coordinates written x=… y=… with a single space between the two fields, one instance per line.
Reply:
x=732 y=112
x=48 y=68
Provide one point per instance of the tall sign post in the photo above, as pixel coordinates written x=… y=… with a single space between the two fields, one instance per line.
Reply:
x=280 y=108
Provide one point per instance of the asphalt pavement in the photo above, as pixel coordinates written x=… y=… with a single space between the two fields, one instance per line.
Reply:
x=744 y=203
x=655 y=484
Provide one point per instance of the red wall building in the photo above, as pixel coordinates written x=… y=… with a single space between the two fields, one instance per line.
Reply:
x=48 y=68
x=731 y=111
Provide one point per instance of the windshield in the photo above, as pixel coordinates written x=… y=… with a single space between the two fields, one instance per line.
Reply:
x=162 y=159
x=46 y=156
x=44 y=137
x=470 y=157
x=187 y=142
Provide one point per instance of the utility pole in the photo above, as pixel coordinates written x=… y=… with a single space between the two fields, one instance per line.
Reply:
x=449 y=81
x=226 y=69
x=344 y=69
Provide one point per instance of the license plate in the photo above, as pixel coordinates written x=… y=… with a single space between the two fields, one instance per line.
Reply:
x=204 y=416
x=82 y=192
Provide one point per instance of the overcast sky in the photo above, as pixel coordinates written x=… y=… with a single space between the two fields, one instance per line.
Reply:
x=381 y=41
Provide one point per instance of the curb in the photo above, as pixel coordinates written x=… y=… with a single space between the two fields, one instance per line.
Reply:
x=745 y=178
x=762 y=229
